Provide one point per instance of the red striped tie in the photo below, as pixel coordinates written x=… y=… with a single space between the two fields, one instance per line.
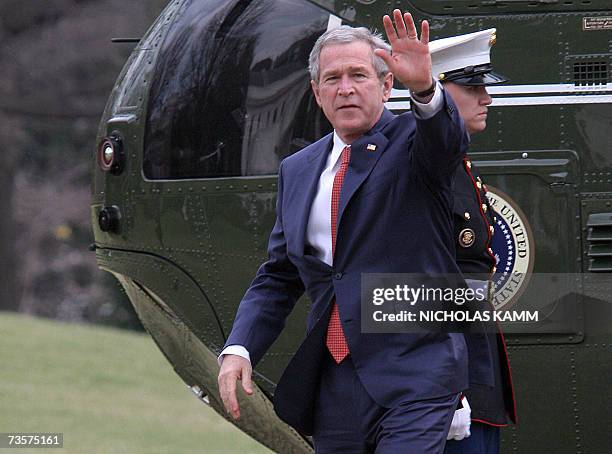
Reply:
x=336 y=342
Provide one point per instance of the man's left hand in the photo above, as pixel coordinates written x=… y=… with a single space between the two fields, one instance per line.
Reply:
x=234 y=368
x=409 y=61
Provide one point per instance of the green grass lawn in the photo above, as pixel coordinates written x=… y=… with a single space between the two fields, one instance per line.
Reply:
x=106 y=390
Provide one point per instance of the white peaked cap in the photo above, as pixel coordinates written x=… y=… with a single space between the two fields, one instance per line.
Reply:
x=459 y=52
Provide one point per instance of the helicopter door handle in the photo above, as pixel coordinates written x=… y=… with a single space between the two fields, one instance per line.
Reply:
x=560 y=188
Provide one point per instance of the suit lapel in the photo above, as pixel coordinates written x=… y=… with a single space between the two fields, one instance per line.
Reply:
x=310 y=177
x=365 y=153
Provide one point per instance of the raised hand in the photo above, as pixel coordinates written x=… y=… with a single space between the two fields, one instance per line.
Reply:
x=409 y=61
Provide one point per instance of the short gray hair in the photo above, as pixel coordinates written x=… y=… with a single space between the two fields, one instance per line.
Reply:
x=346 y=35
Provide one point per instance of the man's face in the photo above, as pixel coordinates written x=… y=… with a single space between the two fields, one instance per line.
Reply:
x=472 y=102
x=349 y=90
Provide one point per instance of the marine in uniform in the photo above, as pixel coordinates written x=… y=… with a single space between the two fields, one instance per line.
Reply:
x=462 y=63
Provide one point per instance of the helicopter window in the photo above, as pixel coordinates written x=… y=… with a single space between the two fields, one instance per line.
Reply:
x=231 y=94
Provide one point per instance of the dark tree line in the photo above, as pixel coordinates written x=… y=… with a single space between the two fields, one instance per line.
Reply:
x=57 y=68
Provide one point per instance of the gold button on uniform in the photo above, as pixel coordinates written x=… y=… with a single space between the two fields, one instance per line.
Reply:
x=491 y=229
x=468 y=164
x=479 y=185
x=466 y=237
x=466 y=215
x=484 y=207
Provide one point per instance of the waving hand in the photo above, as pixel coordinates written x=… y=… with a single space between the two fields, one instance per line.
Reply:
x=409 y=61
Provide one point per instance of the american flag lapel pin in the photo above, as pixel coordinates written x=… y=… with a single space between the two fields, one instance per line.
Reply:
x=371 y=147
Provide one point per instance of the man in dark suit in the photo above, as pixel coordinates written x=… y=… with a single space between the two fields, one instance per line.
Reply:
x=373 y=197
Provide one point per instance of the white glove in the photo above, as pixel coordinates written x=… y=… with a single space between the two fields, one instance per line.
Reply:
x=460 y=427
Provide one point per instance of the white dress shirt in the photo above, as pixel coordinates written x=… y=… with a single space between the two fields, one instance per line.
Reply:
x=318 y=231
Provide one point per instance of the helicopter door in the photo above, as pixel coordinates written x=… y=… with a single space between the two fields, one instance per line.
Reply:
x=537 y=240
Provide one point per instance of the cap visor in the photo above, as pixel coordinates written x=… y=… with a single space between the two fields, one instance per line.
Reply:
x=490 y=78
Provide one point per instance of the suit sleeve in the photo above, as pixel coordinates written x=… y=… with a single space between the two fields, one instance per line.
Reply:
x=272 y=294
x=440 y=142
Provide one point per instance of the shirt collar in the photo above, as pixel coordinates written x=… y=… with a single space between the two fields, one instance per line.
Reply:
x=337 y=149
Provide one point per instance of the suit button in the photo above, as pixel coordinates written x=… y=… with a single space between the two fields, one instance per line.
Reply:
x=338 y=276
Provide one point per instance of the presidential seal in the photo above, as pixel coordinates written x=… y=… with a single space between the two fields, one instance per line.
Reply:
x=513 y=247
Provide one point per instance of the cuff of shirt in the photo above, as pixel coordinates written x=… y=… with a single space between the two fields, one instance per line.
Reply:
x=426 y=111
x=234 y=350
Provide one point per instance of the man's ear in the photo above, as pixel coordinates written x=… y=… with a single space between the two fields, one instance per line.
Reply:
x=387 y=86
x=315 y=90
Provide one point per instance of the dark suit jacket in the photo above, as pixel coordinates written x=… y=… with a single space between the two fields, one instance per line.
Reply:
x=395 y=216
